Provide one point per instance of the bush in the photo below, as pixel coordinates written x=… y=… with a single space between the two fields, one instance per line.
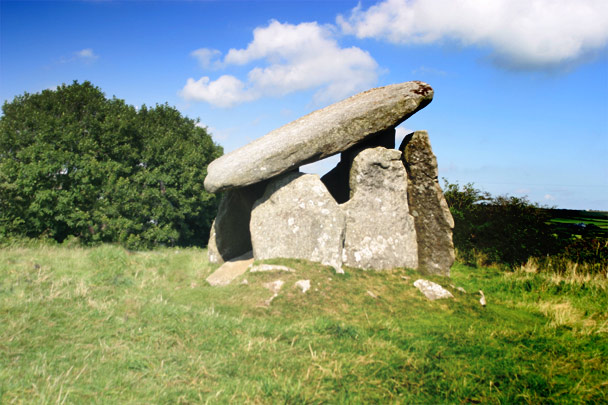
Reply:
x=74 y=163
x=503 y=229
x=591 y=251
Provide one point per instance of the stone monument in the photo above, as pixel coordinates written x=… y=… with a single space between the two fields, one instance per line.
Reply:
x=379 y=208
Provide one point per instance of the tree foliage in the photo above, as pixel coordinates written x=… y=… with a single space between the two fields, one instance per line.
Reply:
x=74 y=163
x=503 y=229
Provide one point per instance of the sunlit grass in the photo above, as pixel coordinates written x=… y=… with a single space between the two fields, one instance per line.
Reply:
x=105 y=325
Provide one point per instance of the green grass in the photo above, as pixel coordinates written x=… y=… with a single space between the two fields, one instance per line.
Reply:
x=570 y=217
x=104 y=325
x=601 y=223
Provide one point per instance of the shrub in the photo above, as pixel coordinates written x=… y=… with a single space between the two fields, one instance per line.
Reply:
x=503 y=229
x=592 y=252
x=75 y=163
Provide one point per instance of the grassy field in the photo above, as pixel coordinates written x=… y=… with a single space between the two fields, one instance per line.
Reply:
x=575 y=218
x=104 y=325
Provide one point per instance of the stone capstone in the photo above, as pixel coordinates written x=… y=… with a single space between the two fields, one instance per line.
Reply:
x=380 y=231
x=298 y=218
x=230 y=235
x=432 y=217
x=318 y=135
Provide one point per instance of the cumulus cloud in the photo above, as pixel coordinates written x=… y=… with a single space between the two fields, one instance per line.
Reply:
x=523 y=34
x=226 y=91
x=289 y=58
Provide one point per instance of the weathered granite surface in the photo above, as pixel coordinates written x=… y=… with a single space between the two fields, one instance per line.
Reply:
x=298 y=218
x=337 y=179
x=318 y=135
x=432 y=217
x=380 y=231
x=432 y=291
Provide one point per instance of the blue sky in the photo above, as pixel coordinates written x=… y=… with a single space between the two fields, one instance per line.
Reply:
x=521 y=87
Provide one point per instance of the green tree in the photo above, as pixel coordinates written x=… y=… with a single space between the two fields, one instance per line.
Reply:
x=75 y=163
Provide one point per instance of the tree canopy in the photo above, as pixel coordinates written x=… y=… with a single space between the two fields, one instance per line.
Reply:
x=74 y=163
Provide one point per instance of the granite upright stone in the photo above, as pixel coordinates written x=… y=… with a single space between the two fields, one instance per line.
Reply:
x=337 y=179
x=380 y=231
x=432 y=217
x=298 y=218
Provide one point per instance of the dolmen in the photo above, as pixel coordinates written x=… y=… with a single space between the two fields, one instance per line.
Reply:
x=379 y=208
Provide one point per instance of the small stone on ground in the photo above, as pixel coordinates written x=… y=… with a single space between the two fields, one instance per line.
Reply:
x=432 y=291
x=274 y=287
x=231 y=270
x=303 y=285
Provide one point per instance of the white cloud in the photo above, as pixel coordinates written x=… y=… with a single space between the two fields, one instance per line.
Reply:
x=207 y=57
x=290 y=58
x=86 y=55
x=549 y=197
x=223 y=92
x=523 y=34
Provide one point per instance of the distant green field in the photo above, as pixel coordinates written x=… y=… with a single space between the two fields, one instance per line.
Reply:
x=105 y=325
x=577 y=221
x=597 y=222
